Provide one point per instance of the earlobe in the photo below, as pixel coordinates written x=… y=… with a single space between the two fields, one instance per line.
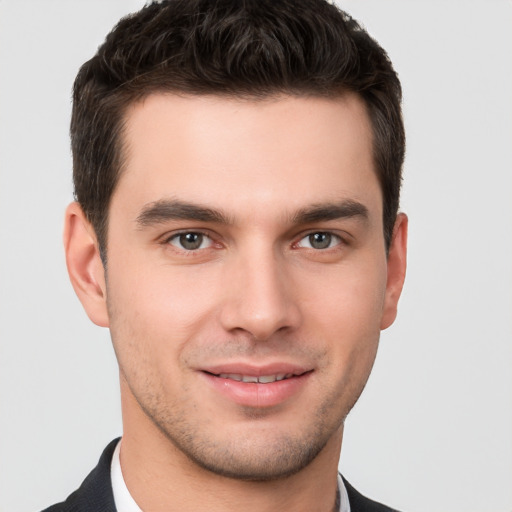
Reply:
x=84 y=264
x=396 y=266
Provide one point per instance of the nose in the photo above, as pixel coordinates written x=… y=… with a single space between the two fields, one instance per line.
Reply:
x=259 y=298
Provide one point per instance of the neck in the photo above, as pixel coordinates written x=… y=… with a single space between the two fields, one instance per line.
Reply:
x=160 y=477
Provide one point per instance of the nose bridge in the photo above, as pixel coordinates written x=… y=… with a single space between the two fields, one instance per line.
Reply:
x=259 y=297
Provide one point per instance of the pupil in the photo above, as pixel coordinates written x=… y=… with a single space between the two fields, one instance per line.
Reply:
x=191 y=241
x=320 y=240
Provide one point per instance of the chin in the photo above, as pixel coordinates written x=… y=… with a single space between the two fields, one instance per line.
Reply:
x=256 y=453
x=278 y=459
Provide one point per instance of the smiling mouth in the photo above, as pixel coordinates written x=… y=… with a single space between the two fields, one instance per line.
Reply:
x=258 y=387
x=257 y=379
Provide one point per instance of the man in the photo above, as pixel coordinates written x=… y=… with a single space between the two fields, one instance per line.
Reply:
x=237 y=168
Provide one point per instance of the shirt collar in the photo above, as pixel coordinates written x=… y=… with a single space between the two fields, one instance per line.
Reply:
x=122 y=498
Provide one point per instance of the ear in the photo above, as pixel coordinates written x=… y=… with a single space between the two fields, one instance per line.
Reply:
x=397 y=263
x=84 y=264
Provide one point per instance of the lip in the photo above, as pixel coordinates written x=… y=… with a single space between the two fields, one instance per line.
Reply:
x=256 y=394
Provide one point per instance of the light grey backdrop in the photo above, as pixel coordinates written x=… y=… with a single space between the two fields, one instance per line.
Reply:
x=433 y=430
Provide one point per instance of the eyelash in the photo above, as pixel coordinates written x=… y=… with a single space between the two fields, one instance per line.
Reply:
x=340 y=241
x=332 y=237
x=176 y=236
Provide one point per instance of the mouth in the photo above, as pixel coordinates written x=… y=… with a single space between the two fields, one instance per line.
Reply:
x=258 y=379
x=258 y=387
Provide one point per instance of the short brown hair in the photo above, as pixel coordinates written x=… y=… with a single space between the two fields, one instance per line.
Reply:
x=238 y=48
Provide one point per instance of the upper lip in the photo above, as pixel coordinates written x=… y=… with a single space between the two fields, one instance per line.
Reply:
x=274 y=368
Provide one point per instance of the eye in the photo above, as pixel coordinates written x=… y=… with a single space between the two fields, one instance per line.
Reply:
x=190 y=241
x=320 y=240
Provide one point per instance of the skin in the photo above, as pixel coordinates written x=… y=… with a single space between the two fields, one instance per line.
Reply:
x=259 y=290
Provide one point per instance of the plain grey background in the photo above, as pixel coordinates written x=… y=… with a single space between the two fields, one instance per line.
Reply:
x=433 y=430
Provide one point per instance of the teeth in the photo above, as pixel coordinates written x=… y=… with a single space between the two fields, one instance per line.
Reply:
x=249 y=378
x=232 y=376
x=263 y=379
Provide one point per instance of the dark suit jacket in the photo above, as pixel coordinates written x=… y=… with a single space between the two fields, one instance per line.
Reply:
x=95 y=493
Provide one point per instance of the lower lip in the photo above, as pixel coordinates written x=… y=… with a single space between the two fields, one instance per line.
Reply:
x=252 y=394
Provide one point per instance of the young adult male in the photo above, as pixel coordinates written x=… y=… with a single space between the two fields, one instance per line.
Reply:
x=237 y=168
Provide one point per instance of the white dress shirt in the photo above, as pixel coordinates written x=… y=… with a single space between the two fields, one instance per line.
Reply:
x=125 y=503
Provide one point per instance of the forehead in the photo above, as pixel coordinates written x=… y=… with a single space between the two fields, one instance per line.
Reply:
x=249 y=154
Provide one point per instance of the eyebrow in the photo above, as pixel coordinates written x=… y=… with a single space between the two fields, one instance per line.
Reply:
x=172 y=209
x=331 y=211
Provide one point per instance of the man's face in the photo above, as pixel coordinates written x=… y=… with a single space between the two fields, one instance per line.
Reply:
x=245 y=244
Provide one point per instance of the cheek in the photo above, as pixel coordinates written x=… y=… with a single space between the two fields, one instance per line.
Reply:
x=345 y=313
x=347 y=299
x=154 y=308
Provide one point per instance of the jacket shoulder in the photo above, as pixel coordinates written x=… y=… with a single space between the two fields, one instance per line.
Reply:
x=95 y=493
x=360 y=503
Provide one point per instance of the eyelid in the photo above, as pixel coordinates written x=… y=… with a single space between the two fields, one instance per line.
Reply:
x=342 y=240
x=168 y=237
